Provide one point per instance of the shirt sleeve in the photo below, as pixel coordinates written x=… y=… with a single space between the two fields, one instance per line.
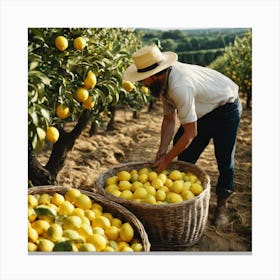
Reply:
x=185 y=103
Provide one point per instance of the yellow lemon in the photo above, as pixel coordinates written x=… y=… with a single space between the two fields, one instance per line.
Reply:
x=32 y=201
x=162 y=177
x=45 y=245
x=61 y=43
x=140 y=193
x=41 y=226
x=90 y=81
x=134 y=177
x=111 y=188
x=175 y=175
x=87 y=247
x=72 y=222
x=111 y=180
x=196 y=188
x=126 y=232
x=126 y=194
x=65 y=208
x=32 y=247
x=186 y=186
x=108 y=249
x=89 y=103
x=83 y=201
x=31 y=214
x=72 y=194
x=143 y=170
x=150 y=190
x=116 y=222
x=152 y=175
x=89 y=214
x=187 y=195
x=79 y=43
x=150 y=199
x=57 y=199
x=101 y=221
x=164 y=188
x=78 y=212
x=145 y=89
x=137 y=247
x=124 y=176
x=44 y=198
x=172 y=197
x=32 y=234
x=97 y=206
x=52 y=134
x=98 y=230
x=62 y=111
x=126 y=249
x=157 y=183
x=85 y=230
x=108 y=215
x=81 y=94
x=112 y=232
x=54 y=232
x=178 y=186
x=124 y=185
x=128 y=86
x=160 y=195
x=71 y=234
x=143 y=178
x=136 y=185
x=116 y=193
x=168 y=183
x=98 y=241
x=192 y=177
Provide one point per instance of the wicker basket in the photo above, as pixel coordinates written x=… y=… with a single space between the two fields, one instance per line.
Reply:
x=115 y=209
x=169 y=226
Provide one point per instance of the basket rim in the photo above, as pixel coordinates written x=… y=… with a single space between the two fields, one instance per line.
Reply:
x=121 y=200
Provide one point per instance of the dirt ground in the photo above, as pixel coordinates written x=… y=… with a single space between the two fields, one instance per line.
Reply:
x=137 y=140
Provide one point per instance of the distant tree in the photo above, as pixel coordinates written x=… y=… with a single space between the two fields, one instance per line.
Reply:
x=168 y=45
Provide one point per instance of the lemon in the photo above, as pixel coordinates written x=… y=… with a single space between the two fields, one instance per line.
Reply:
x=116 y=222
x=111 y=188
x=97 y=206
x=134 y=177
x=150 y=199
x=65 y=208
x=160 y=195
x=78 y=212
x=54 y=232
x=32 y=201
x=137 y=247
x=89 y=103
x=140 y=193
x=52 y=134
x=45 y=245
x=57 y=199
x=178 y=186
x=113 y=244
x=144 y=170
x=126 y=249
x=32 y=234
x=168 y=183
x=79 y=43
x=124 y=175
x=162 y=177
x=124 y=185
x=83 y=201
x=32 y=247
x=108 y=215
x=71 y=234
x=101 y=221
x=121 y=245
x=128 y=86
x=112 y=232
x=126 y=194
x=41 y=226
x=196 y=188
x=98 y=241
x=81 y=94
x=150 y=189
x=172 y=197
x=145 y=89
x=111 y=180
x=89 y=214
x=85 y=220
x=157 y=183
x=44 y=198
x=116 y=193
x=72 y=222
x=97 y=212
x=152 y=175
x=136 y=185
x=126 y=232
x=62 y=111
x=187 y=195
x=87 y=247
x=98 y=230
x=143 y=178
x=192 y=177
x=108 y=249
x=85 y=230
x=175 y=175
x=164 y=188
x=72 y=194
x=186 y=186
x=61 y=43
x=90 y=80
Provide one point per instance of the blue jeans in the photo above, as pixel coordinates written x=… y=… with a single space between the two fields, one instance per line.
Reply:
x=221 y=124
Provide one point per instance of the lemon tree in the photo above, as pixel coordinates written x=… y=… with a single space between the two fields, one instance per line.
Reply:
x=74 y=75
x=236 y=63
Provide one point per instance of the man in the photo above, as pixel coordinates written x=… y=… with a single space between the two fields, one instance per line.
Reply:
x=207 y=105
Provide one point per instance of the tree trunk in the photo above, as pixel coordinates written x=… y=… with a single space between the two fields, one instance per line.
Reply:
x=39 y=175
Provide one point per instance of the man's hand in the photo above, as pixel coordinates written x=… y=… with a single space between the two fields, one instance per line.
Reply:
x=161 y=164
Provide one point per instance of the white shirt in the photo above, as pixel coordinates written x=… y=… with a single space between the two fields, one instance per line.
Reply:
x=195 y=91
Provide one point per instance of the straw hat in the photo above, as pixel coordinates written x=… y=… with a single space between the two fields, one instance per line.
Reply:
x=148 y=61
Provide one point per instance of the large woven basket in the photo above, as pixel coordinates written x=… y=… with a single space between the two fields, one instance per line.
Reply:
x=117 y=210
x=170 y=227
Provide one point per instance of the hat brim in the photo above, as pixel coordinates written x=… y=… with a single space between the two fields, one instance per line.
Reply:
x=131 y=73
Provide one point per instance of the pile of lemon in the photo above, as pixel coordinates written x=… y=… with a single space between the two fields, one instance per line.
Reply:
x=146 y=186
x=73 y=222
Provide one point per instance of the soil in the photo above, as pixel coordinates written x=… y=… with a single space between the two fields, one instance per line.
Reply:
x=138 y=139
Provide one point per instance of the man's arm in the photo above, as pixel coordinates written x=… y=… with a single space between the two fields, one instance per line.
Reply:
x=183 y=142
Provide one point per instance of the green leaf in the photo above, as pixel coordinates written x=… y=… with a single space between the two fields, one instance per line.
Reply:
x=63 y=246
x=45 y=210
